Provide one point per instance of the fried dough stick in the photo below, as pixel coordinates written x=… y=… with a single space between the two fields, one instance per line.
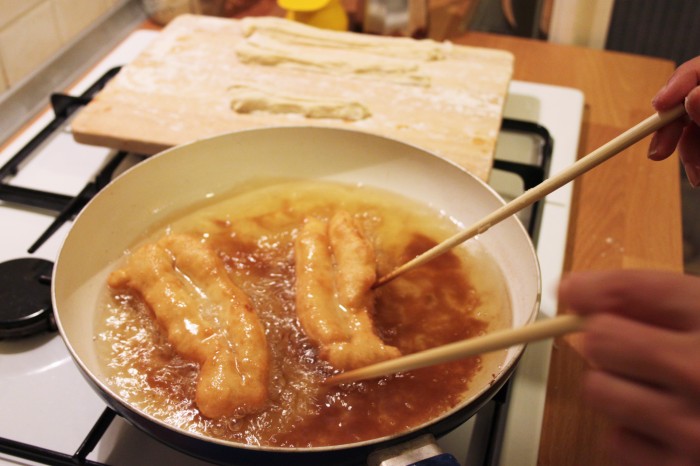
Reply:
x=207 y=319
x=335 y=270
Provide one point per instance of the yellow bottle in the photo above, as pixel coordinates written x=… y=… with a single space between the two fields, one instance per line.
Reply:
x=325 y=14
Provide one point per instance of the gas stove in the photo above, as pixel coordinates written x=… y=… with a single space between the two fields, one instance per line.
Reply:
x=49 y=413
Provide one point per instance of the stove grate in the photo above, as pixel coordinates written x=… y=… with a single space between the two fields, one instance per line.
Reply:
x=530 y=174
x=54 y=458
x=63 y=107
x=78 y=202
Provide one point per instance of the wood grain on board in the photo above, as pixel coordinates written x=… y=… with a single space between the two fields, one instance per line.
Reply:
x=445 y=98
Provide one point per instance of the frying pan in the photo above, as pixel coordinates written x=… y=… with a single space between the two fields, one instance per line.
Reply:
x=166 y=183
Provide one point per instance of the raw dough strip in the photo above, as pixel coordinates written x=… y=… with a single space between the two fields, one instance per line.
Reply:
x=292 y=32
x=206 y=318
x=335 y=270
x=249 y=99
x=273 y=53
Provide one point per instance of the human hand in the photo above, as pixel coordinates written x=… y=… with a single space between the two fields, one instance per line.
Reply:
x=642 y=338
x=684 y=133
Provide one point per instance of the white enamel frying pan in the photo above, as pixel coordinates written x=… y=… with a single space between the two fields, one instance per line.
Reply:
x=166 y=183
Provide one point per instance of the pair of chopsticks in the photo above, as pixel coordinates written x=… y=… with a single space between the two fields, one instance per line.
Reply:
x=506 y=338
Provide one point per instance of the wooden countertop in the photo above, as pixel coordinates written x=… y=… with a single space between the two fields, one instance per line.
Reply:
x=626 y=213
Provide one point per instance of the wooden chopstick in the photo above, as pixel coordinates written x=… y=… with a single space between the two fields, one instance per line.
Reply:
x=541 y=330
x=598 y=156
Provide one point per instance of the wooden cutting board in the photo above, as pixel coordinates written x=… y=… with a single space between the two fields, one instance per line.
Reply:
x=204 y=76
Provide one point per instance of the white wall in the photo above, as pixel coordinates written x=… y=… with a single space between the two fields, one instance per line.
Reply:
x=580 y=22
x=33 y=31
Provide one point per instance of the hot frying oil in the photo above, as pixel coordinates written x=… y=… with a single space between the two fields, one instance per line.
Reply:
x=458 y=295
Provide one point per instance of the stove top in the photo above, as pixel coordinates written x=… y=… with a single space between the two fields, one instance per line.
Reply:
x=43 y=398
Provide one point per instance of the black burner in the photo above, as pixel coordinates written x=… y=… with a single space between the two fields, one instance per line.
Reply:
x=25 y=298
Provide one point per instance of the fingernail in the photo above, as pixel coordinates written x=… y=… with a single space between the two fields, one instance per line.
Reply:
x=652 y=148
x=693 y=174
x=654 y=100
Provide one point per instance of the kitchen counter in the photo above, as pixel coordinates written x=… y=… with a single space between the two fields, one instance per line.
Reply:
x=626 y=213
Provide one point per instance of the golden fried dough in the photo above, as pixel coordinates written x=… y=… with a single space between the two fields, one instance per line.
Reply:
x=206 y=318
x=335 y=270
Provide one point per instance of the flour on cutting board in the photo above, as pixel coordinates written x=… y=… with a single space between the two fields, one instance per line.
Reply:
x=204 y=76
x=253 y=51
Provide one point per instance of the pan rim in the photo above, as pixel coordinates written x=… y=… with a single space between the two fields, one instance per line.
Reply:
x=106 y=391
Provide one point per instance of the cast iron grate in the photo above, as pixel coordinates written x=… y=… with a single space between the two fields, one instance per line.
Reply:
x=54 y=458
x=25 y=283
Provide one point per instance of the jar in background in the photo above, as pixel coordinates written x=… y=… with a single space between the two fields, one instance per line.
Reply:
x=408 y=18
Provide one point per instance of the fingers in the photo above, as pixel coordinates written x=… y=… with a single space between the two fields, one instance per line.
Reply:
x=689 y=151
x=641 y=336
x=628 y=448
x=665 y=140
x=680 y=84
x=692 y=104
x=636 y=351
x=644 y=325
x=666 y=299
x=652 y=426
